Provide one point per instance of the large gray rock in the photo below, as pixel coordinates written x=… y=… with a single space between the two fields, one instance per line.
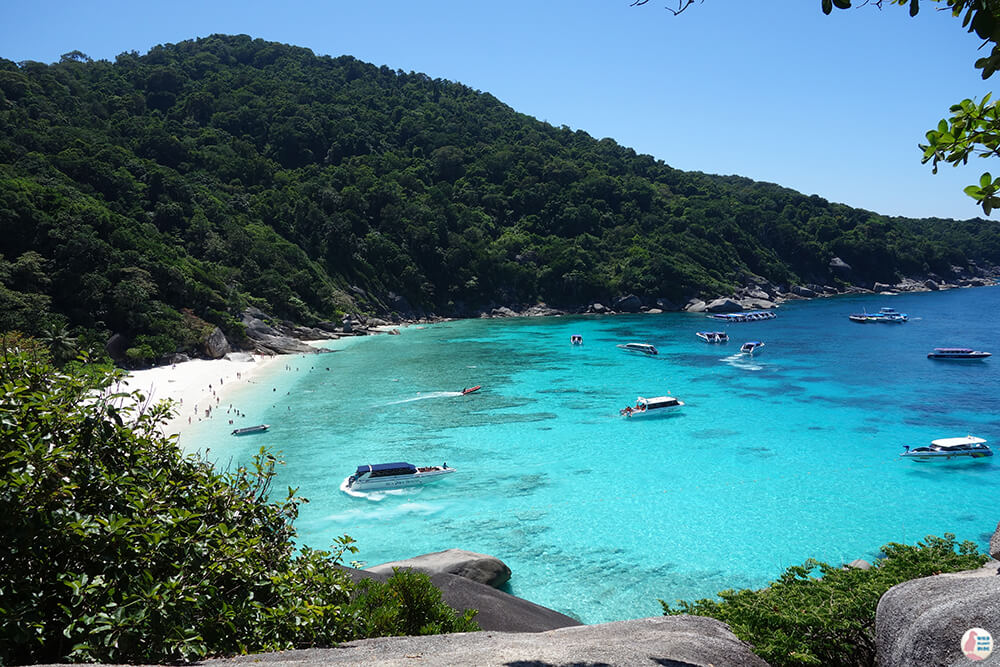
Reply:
x=628 y=304
x=676 y=641
x=995 y=543
x=481 y=568
x=921 y=622
x=723 y=306
x=498 y=611
x=839 y=266
x=801 y=290
x=695 y=306
x=216 y=346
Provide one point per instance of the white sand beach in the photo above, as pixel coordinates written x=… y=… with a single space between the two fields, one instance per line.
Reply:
x=200 y=387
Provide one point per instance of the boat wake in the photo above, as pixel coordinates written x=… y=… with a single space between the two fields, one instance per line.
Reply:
x=380 y=494
x=742 y=361
x=422 y=397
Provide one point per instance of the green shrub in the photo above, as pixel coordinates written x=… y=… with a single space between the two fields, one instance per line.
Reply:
x=802 y=619
x=119 y=548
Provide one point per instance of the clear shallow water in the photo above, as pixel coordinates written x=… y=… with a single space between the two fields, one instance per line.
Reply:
x=790 y=455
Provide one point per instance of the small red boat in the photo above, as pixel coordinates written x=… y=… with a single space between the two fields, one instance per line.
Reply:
x=469 y=390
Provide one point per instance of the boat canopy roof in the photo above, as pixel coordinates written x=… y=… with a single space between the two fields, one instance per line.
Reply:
x=953 y=349
x=384 y=467
x=964 y=441
x=655 y=401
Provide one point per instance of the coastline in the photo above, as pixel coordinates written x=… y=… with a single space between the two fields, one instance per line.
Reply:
x=201 y=388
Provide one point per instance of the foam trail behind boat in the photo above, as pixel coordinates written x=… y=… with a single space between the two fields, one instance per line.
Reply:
x=431 y=394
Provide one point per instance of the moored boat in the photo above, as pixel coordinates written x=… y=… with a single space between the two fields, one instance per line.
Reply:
x=963 y=353
x=713 y=336
x=248 y=430
x=644 y=348
x=750 y=316
x=945 y=449
x=884 y=315
x=650 y=406
x=751 y=347
x=394 y=476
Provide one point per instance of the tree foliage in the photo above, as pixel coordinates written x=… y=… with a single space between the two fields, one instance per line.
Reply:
x=161 y=194
x=818 y=614
x=118 y=548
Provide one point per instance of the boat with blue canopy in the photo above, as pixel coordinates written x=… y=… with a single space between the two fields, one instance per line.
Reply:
x=394 y=475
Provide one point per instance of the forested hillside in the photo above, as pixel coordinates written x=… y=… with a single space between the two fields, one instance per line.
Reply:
x=159 y=195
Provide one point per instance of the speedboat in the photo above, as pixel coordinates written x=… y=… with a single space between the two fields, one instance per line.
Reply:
x=713 y=336
x=956 y=353
x=750 y=316
x=469 y=390
x=576 y=339
x=394 y=476
x=247 y=430
x=645 y=348
x=651 y=406
x=752 y=346
x=946 y=449
x=884 y=315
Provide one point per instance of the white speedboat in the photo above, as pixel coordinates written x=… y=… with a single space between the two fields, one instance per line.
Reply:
x=751 y=347
x=651 y=406
x=964 y=353
x=946 y=449
x=713 y=336
x=644 y=348
x=248 y=430
x=394 y=475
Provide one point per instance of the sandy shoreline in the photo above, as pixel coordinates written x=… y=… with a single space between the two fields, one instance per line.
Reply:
x=201 y=389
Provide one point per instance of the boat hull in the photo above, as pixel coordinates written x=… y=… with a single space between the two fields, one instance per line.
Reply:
x=945 y=456
x=399 y=481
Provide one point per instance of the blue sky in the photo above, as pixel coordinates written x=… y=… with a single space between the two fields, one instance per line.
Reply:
x=775 y=91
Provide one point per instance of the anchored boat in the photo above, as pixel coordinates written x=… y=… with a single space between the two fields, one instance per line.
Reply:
x=962 y=353
x=651 y=406
x=644 y=348
x=394 y=476
x=946 y=449
x=259 y=428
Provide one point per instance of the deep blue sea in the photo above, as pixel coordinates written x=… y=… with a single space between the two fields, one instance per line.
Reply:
x=789 y=455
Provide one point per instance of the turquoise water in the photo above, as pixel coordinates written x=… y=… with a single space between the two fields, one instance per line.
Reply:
x=789 y=455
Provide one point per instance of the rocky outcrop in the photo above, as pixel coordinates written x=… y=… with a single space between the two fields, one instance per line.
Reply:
x=695 y=306
x=269 y=340
x=628 y=304
x=497 y=611
x=723 y=306
x=477 y=567
x=664 y=640
x=802 y=290
x=216 y=346
x=995 y=543
x=921 y=622
x=839 y=267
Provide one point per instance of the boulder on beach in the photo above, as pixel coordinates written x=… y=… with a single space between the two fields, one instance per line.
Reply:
x=802 y=290
x=695 y=306
x=724 y=305
x=477 y=567
x=628 y=304
x=922 y=621
x=215 y=345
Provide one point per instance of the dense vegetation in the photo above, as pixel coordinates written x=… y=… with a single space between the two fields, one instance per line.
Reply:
x=159 y=195
x=828 y=617
x=117 y=548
